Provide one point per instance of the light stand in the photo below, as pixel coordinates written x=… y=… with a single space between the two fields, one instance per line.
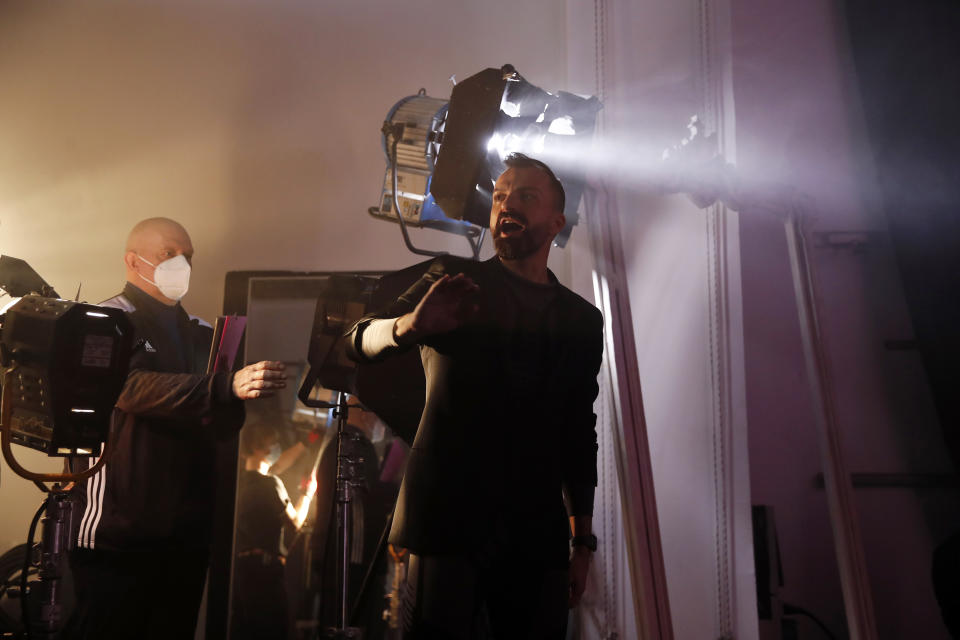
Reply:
x=64 y=365
x=343 y=303
x=56 y=539
x=55 y=543
x=350 y=478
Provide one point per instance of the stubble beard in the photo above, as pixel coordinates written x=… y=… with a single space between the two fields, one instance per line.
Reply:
x=521 y=246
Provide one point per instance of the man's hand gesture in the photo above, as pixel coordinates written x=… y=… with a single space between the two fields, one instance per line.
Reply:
x=447 y=305
x=259 y=380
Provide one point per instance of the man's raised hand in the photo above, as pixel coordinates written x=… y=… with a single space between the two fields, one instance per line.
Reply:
x=447 y=305
x=259 y=380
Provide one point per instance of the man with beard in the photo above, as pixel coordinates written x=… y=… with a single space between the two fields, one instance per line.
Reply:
x=511 y=360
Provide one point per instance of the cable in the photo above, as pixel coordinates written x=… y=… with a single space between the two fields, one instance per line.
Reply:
x=793 y=610
x=24 y=613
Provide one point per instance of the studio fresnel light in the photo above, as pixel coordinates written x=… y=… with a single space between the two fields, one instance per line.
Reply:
x=443 y=157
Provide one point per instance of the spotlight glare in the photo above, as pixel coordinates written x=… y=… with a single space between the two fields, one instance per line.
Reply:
x=509 y=108
x=562 y=126
x=445 y=151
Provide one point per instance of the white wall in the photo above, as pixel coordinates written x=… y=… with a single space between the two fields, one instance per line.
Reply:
x=255 y=124
x=799 y=123
x=654 y=66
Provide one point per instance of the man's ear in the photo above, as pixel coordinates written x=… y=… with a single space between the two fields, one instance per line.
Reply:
x=559 y=222
x=130 y=259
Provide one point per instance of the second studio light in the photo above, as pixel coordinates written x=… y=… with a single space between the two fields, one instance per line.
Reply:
x=443 y=157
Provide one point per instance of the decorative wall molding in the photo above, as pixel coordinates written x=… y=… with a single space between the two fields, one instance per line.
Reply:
x=641 y=528
x=725 y=339
x=721 y=426
x=641 y=522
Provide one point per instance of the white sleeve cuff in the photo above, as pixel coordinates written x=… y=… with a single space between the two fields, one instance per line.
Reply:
x=378 y=337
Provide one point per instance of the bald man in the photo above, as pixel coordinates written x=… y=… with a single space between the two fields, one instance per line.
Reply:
x=144 y=529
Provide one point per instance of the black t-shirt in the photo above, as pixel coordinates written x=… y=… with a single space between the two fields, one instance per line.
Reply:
x=521 y=323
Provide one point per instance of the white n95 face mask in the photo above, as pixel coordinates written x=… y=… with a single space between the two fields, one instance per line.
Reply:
x=171 y=277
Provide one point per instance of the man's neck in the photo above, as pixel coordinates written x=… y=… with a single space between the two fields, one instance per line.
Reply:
x=152 y=291
x=533 y=268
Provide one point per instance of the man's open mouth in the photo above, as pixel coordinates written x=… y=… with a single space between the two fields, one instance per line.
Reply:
x=509 y=225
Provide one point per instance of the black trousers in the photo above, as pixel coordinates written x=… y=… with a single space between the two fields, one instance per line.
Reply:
x=136 y=594
x=260 y=599
x=505 y=597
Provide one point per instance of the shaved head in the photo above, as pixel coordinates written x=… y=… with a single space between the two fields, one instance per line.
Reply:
x=147 y=231
x=151 y=242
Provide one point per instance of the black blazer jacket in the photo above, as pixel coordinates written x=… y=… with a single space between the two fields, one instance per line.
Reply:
x=495 y=451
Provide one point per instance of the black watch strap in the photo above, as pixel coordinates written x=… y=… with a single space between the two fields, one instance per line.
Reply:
x=589 y=541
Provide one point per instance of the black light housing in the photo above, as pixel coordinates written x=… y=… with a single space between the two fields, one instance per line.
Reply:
x=495 y=113
x=65 y=364
x=462 y=178
x=490 y=114
x=18 y=279
x=342 y=303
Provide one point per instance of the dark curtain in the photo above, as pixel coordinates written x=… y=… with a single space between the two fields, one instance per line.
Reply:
x=906 y=55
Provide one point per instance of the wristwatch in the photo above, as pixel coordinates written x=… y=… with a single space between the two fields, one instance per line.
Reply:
x=589 y=541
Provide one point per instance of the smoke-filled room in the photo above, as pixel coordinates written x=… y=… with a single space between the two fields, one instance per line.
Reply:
x=494 y=320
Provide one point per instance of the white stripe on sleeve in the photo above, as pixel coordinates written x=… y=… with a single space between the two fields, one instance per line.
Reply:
x=378 y=337
x=94 y=508
x=102 y=486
